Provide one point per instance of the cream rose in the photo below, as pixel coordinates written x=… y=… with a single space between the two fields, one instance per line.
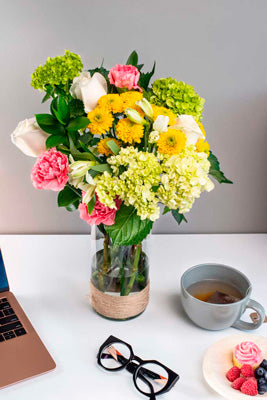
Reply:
x=29 y=137
x=190 y=127
x=89 y=89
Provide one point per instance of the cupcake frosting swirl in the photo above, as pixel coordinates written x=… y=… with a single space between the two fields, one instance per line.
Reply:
x=247 y=353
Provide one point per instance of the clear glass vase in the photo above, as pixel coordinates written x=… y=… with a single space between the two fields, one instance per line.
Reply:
x=119 y=278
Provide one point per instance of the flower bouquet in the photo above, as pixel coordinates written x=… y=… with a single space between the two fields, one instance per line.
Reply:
x=115 y=148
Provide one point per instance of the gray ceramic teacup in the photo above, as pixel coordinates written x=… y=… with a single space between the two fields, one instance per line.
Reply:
x=219 y=316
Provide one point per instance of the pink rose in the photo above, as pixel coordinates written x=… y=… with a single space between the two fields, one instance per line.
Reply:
x=50 y=171
x=101 y=213
x=124 y=76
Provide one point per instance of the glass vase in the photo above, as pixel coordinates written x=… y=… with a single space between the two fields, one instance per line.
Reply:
x=119 y=287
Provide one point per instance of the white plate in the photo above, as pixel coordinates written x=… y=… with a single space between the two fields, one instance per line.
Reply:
x=218 y=360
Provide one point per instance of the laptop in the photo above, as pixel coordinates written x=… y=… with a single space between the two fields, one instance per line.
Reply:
x=22 y=353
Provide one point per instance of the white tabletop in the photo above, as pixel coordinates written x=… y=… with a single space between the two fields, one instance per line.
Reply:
x=50 y=277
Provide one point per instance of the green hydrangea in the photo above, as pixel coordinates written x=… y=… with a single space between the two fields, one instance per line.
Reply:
x=57 y=71
x=180 y=97
x=134 y=185
x=184 y=178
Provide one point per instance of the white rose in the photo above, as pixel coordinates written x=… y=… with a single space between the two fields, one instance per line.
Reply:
x=190 y=128
x=89 y=89
x=29 y=137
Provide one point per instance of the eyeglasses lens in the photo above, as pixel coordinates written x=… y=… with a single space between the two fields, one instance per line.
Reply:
x=151 y=375
x=115 y=356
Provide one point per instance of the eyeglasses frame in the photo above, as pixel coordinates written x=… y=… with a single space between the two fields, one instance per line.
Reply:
x=134 y=369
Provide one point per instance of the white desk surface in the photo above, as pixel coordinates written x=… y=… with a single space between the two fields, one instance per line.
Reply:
x=49 y=274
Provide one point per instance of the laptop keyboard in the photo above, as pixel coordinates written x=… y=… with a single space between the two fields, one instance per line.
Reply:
x=10 y=326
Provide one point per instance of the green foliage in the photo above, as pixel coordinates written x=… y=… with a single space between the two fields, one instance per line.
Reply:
x=215 y=170
x=49 y=124
x=103 y=71
x=132 y=59
x=78 y=123
x=145 y=77
x=73 y=206
x=113 y=147
x=91 y=204
x=178 y=96
x=178 y=217
x=76 y=108
x=60 y=109
x=128 y=229
x=56 y=140
x=68 y=196
x=166 y=210
x=101 y=168
x=57 y=71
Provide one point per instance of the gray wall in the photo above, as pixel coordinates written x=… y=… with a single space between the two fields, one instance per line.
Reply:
x=219 y=46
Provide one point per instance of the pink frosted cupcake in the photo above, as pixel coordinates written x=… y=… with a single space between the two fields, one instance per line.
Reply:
x=247 y=353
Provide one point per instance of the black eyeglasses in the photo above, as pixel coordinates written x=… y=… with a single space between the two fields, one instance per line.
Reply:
x=150 y=377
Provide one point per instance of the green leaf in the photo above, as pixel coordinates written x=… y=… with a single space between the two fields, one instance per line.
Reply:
x=78 y=123
x=103 y=71
x=46 y=97
x=63 y=109
x=73 y=206
x=76 y=108
x=145 y=78
x=166 y=210
x=55 y=140
x=113 y=147
x=77 y=155
x=215 y=170
x=132 y=59
x=93 y=173
x=60 y=109
x=49 y=124
x=101 y=168
x=68 y=196
x=178 y=217
x=87 y=150
x=91 y=205
x=128 y=228
x=86 y=138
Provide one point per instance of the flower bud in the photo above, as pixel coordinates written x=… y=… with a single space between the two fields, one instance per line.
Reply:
x=79 y=168
x=134 y=116
x=146 y=107
x=153 y=137
x=89 y=193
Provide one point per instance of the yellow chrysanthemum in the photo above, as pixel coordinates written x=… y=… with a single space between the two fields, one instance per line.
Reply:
x=129 y=98
x=113 y=102
x=101 y=121
x=203 y=147
x=171 y=142
x=103 y=148
x=158 y=110
x=202 y=128
x=129 y=132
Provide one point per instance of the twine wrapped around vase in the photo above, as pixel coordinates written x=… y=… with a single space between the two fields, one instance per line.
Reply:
x=119 y=307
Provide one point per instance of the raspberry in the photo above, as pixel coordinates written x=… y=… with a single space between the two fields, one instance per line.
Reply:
x=238 y=383
x=247 y=371
x=233 y=374
x=250 y=387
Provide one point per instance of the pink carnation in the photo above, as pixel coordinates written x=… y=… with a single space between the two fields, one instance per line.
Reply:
x=101 y=213
x=124 y=76
x=50 y=171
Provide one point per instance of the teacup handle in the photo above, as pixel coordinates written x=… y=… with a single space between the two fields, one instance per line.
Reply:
x=249 y=326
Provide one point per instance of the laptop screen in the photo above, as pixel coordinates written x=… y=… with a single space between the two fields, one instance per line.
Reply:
x=3 y=277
